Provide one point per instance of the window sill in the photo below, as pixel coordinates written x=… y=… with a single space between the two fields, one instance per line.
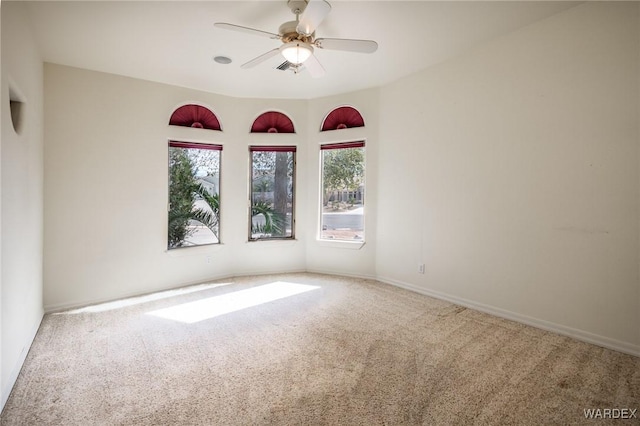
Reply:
x=195 y=250
x=343 y=244
x=271 y=243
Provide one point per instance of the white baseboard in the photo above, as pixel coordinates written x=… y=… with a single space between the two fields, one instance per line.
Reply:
x=584 y=336
x=13 y=376
x=262 y=272
x=342 y=274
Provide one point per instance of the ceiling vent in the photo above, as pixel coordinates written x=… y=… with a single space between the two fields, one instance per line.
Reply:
x=284 y=66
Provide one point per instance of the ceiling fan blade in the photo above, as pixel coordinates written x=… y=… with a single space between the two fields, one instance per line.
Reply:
x=349 y=45
x=260 y=59
x=314 y=67
x=314 y=13
x=247 y=30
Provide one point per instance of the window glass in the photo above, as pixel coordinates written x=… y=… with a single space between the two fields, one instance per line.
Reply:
x=272 y=192
x=194 y=194
x=342 y=216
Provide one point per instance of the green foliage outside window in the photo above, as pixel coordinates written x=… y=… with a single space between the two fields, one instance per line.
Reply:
x=343 y=170
x=193 y=208
x=272 y=195
x=342 y=210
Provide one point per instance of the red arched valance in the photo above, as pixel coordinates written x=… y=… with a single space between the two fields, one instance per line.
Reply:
x=272 y=122
x=342 y=118
x=194 y=116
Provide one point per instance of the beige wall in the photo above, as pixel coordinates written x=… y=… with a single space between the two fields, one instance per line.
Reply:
x=21 y=196
x=519 y=184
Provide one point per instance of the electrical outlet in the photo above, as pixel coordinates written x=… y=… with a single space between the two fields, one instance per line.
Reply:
x=421 y=268
x=207 y=259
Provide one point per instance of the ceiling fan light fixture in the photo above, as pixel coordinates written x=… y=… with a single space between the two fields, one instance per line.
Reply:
x=296 y=52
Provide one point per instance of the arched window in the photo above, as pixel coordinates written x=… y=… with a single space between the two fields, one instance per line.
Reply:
x=272 y=122
x=272 y=177
x=342 y=118
x=194 y=182
x=197 y=116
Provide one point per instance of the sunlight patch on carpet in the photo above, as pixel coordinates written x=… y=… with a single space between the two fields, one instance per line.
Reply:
x=212 y=307
x=131 y=301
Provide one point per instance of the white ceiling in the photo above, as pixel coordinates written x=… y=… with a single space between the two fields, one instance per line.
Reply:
x=175 y=42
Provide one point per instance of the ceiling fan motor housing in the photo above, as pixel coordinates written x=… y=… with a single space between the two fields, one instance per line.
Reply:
x=288 y=33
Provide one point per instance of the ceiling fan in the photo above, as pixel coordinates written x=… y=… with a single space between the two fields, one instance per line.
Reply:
x=298 y=38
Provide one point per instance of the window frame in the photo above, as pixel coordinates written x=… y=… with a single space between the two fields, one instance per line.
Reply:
x=361 y=143
x=194 y=145
x=272 y=148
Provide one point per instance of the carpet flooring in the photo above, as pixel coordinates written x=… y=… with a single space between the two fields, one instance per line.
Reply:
x=308 y=349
